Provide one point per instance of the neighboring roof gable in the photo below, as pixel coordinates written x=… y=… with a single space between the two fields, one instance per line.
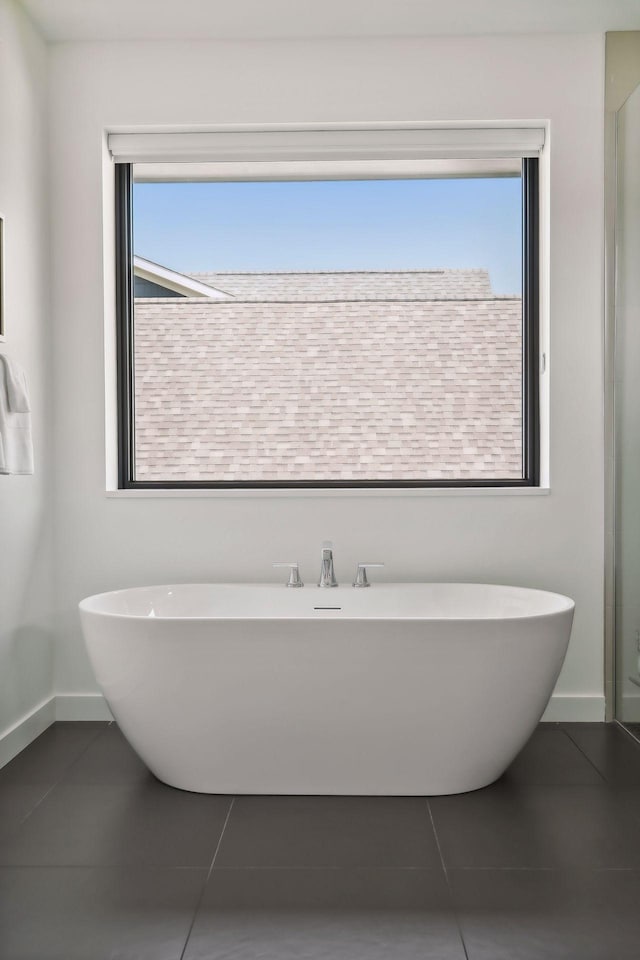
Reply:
x=176 y=282
x=404 y=285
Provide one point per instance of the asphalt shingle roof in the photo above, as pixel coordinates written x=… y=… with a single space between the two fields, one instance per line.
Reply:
x=316 y=390
x=353 y=285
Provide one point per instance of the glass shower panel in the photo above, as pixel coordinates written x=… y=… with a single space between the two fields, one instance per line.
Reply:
x=627 y=413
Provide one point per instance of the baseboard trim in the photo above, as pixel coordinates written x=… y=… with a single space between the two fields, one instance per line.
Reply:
x=63 y=706
x=575 y=709
x=92 y=706
x=587 y=708
x=14 y=740
x=82 y=706
x=630 y=708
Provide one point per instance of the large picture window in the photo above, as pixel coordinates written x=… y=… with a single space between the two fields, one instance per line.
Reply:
x=330 y=323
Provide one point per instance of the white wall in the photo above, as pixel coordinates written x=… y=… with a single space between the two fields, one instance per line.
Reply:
x=25 y=558
x=553 y=541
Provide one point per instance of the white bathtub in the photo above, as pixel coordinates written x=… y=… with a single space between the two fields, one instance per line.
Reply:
x=414 y=688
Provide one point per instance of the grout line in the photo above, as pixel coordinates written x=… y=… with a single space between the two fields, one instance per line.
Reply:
x=146 y=867
x=35 y=806
x=114 y=867
x=435 y=834
x=561 y=870
x=204 y=885
x=224 y=827
x=64 y=770
x=498 y=869
x=628 y=732
x=98 y=734
x=447 y=881
x=587 y=758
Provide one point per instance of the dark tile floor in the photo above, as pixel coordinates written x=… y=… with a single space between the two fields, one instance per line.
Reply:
x=98 y=860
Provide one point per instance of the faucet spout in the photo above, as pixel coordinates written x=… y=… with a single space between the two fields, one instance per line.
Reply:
x=327 y=575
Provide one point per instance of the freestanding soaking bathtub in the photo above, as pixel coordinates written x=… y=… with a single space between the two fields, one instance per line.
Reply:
x=413 y=688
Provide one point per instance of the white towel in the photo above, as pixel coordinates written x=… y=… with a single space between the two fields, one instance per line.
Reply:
x=16 y=446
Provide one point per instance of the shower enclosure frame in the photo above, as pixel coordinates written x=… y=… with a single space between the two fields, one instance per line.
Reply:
x=622 y=77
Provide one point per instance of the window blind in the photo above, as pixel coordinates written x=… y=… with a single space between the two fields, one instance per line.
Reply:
x=329 y=143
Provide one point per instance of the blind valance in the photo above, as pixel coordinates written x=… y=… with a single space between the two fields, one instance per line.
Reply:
x=332 y=142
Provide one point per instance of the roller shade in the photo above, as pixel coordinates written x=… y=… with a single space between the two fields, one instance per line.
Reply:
x=385 y=143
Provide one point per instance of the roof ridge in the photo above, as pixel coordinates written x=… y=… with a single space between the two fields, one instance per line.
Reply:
x=262 y=300
x=315 y=273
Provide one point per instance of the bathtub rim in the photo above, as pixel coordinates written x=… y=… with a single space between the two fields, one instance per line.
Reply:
x=88 y=606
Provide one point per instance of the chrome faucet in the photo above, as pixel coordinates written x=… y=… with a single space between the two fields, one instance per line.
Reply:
x=327 y=576
x=294 y=572
x=361 y=574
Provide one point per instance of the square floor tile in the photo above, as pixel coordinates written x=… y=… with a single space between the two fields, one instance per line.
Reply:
x=610 y=749
x=329 y=832
x=78 y=913
x=529 y=826
x=108 y=760
x=548 y=915
x=552 y=758
x=328 y=914
x=149 y=825
x=47 y=758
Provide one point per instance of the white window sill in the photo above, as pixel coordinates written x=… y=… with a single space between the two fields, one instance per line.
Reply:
x=198 y=494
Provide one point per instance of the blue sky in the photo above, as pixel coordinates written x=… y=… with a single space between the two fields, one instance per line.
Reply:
x=334 y=225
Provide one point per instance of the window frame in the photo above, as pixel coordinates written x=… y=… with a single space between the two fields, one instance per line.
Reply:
x=531 y=434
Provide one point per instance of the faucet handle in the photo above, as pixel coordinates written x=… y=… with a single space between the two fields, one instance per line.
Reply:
x=294 y=573
x=361 y=574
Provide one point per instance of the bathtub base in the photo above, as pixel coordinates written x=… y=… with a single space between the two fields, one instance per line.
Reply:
x=324 y=703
